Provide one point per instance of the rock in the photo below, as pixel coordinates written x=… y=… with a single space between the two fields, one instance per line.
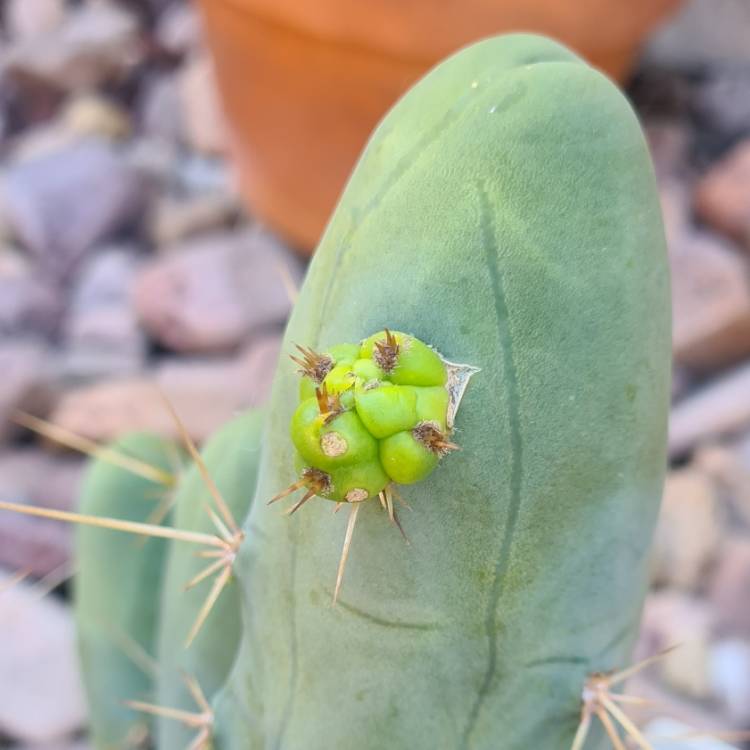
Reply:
x=710 y=303
x=205 y=393
x=62 y=205
x=92 y=115
x=33 y=544
x=101 y=335
x=26 y=380
x=28 y=304
x=721 y=407
x=722 y=104
x=178 y=30
x=730 y=677
x=156 y=159
x=160 y=108
x=702 y=34
x=96 y=42
x=215 y=292
x=199 y=100
x=730 y=587
x=197 y=173
x=669 y=734
x=730 y=473
x=176 y=219
x=33 y=477
x=41 y=698
x=28 y=19
x=41 y=141
x=675 y=619
x=660 y=702
x=722 y=196
x=675 y=205
x=668 y=142
x=689 y=531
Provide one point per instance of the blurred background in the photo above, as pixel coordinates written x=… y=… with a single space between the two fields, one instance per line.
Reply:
x=164 y=176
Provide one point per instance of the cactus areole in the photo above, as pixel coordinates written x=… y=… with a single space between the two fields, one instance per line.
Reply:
x=372 y=414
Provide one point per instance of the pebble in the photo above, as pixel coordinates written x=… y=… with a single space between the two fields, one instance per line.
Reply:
x=62 y=205
x=108 y=409
x=730 y=587
x=730 y=677
x=719 y=408
x=213 y=293
x=101 y=334
x=671 y=619
x=98 y=41
x=175 y=220
x=29 y=19
x=710 y=303
x=205 y=129
x=668 y=734
x=26 y=382
x=41 y=697
x=689 y=531
x=722 y=196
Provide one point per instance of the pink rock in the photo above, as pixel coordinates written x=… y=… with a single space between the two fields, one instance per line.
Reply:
x=722 y=197
x=205 y=393
x=730 y=588
x=689 y=531
x=210 y=294
x=710 y=303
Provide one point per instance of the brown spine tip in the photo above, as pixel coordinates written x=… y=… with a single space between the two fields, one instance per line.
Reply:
x=312 y=365
x=329 y=404
x=433 y=438
x=385 y=352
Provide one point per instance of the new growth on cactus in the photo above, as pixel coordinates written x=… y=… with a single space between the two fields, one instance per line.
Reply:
x=371 y=415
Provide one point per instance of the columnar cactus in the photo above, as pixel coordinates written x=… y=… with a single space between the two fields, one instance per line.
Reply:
x=504 y=213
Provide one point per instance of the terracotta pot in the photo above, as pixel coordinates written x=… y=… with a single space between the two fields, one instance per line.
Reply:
x=304 y=83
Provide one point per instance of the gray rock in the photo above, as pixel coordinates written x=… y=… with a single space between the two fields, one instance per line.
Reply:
x=160 y=108
x=213 y=293
x=730 y=587
x=701 y=34
x=28 y=304
x=178 y=29
x=29 y=19
x=33 y=477
x=730 y=676
x=101 y=335
x=722 y=407
x=669 y=734
x=26 y=381
x=62 y=205
x=41 y=698
x=97 y=41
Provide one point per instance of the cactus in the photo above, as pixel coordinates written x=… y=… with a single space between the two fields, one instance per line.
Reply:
x=505 y=213
x=118 y=589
